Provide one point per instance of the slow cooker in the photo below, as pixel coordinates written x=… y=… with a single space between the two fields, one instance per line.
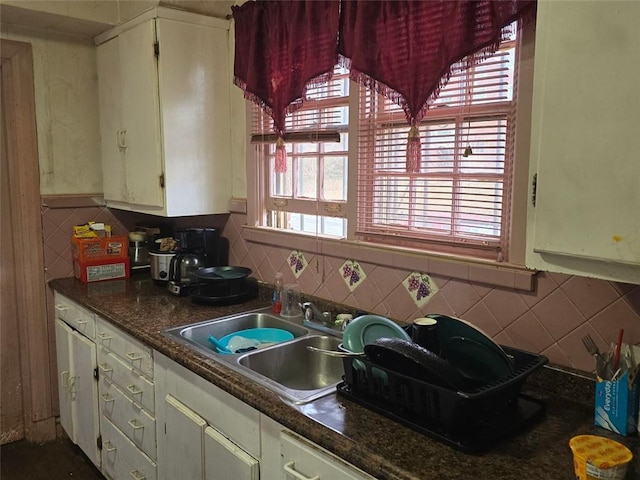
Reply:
x=160 y=266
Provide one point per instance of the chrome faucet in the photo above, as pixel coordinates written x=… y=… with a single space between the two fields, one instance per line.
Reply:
x=313 y=314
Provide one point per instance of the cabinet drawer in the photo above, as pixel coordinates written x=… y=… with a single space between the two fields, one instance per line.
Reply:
x=129 y=417
x=132 y=352
x=121 y=459
x=75 y=316
x=303 y=459
x=131 y=382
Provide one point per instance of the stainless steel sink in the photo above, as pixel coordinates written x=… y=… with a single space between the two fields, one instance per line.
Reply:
x=295 y=372
x=198 y=333
x=288 y=369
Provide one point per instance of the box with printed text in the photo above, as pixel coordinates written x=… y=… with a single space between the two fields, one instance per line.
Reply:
x=616 y=403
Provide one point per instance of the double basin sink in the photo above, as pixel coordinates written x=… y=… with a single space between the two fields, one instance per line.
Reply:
x=288 y=369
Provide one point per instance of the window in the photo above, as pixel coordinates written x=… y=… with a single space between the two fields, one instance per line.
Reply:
x=310 y=197
x=459 y=201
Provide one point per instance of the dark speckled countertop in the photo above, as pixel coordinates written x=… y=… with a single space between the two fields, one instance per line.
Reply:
x=383 y=448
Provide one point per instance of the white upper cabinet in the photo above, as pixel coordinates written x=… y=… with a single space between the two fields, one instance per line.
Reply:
x=164 y=85
x=585 y=147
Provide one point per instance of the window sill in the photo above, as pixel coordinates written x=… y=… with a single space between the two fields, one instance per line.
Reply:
x=475 y=271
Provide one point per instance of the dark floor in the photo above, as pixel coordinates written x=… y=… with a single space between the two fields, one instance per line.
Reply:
x=58 y=459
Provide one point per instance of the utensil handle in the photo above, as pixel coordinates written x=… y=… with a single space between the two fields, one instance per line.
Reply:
x=616 y=355
x=333 y=353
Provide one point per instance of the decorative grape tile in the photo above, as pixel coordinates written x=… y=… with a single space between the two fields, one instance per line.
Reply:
x=297 y=262
x=421 y=288
x=352 y=274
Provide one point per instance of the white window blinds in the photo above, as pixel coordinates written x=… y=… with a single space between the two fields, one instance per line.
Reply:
x=459 y=199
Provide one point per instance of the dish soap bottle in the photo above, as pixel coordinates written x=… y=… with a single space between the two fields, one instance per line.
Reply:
x=276 y=305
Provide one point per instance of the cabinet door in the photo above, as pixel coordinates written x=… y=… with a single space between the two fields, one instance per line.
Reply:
x=84 y=395
x=224 y=460
x=195 y=83
x=585 y=141
x=141 y=115
x=112 y=133
x=78 y=389
x=63 y=356
x=184 y=431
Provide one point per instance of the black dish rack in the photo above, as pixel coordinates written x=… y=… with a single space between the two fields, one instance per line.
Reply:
x=470 y=421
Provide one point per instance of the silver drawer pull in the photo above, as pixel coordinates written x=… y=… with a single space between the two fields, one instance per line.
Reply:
x=105 y=367
x=104 y=336
x=134 y=390
x=136 y=475
x=108 y=446
x=80 y=321
x=134 y=357
x=107 y=398
x=289 y=468
x=135 y=424
x=61 y=307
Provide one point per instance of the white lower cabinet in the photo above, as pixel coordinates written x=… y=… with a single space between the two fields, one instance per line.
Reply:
x=121 y=459
x=140 y=416
x=203 y=432
x=303 y=460
x=106 y=392
x=200 y=451
x=127 y=405
x=288 y=456
x=78 y=389
x=134 y=421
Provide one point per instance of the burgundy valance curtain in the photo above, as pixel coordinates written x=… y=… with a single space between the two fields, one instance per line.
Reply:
x=404 y=49
x=283 y=47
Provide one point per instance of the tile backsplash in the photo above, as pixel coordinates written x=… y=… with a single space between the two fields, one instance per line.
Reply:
x=57 y=227
x=552 y=319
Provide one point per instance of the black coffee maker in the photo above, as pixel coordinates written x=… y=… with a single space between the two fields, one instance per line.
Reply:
x=198 y=248
x=205 y=242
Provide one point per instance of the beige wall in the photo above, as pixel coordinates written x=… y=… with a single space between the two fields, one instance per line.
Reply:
x=66 y=85
x=66 y=110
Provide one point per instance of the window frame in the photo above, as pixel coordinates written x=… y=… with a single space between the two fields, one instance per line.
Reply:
x=257 y=172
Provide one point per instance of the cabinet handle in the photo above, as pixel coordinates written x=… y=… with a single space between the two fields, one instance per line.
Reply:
x=80 y=321
x=64 y=376
x=61 y=307
x=105 y=367
x=107 y=398
x=73 y=389
x=289 y=468
x=104 y=336
x=108 y=446
x=136 y=475
x=121 y=139
x=134 y=390
x=135 y=424
x=133 y=356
